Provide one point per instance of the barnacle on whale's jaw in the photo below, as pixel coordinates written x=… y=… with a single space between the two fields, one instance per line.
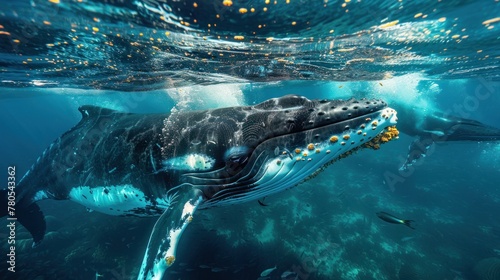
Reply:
x=390 y=133
x=170 y=260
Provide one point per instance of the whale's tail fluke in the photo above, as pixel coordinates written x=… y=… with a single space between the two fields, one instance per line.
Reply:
x=27 y=214
x=408 y=223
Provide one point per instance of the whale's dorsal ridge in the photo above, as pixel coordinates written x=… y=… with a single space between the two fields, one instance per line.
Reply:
x=91 y=111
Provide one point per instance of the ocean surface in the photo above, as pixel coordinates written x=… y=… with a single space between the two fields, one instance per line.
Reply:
x=160 y=56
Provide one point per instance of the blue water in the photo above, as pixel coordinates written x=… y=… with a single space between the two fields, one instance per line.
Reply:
x=163 y=56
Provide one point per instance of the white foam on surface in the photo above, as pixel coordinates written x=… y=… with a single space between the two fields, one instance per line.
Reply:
x=411 y=90
x=207 y=97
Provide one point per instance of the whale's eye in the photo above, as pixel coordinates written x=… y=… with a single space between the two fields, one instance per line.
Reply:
x=234 y=162
x=236 y=158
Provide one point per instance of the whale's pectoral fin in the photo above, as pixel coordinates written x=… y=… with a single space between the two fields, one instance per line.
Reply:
x=160 y=253
x=418 y=149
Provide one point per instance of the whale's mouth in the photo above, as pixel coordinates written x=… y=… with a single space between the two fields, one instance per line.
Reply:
x=284 y=161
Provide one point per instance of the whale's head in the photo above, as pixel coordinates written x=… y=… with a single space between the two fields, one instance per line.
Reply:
x=237 y=154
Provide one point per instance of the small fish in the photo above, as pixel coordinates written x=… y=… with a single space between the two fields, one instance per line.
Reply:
x=268 y=271
x=289 y=275
x=408 y=238
x=262 y=203
x=394 y=220
x=204 y=266
x=217 y=269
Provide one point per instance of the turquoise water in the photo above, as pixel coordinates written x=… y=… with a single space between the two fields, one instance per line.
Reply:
x=421 y=57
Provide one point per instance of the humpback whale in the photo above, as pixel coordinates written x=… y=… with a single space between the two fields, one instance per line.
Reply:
x=438 y=127
x=171 y=165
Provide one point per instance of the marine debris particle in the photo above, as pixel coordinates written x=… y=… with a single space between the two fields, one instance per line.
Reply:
x=389 y=24
x=490 y=21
